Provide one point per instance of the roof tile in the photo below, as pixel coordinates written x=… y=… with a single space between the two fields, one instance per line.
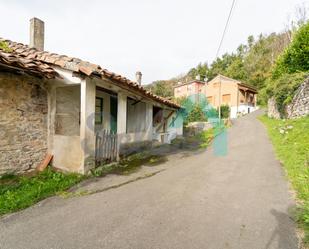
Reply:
x=77 y=65
x=30 y=66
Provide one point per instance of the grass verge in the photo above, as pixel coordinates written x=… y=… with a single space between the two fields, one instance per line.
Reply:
x=206 y=137
x=19 y=192
x=291 y=141
x=129 y=164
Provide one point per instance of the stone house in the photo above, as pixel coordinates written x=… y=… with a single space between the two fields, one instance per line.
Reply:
x=56 y=104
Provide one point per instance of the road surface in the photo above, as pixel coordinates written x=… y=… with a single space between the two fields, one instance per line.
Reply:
x=240 y=200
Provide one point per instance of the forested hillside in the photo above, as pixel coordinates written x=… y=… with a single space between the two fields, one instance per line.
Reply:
x=252 y=63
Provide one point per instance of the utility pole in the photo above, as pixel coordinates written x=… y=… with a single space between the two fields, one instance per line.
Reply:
x=219 y=99
x=217 y=54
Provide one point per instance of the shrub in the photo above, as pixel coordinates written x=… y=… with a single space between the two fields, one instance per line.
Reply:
x=5 y=47
x=283 y=89
x=196 y=114
x=225 y=111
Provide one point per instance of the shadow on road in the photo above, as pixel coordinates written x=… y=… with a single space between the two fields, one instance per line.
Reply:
x=282 y=234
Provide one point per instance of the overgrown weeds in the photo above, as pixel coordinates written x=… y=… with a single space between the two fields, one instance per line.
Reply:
x=129 y=164
x=19 y=192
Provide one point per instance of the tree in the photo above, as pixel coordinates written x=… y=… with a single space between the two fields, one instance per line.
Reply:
x=161 y=88
x=296 y=57
x=196 y=114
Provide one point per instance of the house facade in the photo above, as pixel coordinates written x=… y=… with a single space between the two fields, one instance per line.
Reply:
x=188 y=89
x=55 y=104
x=240 y=97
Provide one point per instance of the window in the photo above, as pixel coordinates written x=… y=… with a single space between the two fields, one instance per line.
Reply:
x=98 y=110
x=226 y=98
x=210 y=100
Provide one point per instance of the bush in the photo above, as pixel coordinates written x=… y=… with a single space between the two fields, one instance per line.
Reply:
x=225 y=111
x=283 y=89
x=5 y=47
x=196 y=114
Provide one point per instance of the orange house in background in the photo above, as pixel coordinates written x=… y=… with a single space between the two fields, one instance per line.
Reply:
x=239 y=96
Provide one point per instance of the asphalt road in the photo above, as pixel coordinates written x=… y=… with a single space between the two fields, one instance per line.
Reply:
x=240 y=200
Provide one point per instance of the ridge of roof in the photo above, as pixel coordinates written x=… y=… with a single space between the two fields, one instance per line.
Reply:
x=190 y=82
x=80 y=66
x=237 y=81
x=225 y=77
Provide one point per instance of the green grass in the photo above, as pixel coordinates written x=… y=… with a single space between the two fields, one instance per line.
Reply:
x=206 y=137
x=291 y=141
x=19 y=192
x=129 y=164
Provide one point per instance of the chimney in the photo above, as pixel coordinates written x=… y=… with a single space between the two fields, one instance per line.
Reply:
x=198 y=77
x=138 y=78
x=37 y=34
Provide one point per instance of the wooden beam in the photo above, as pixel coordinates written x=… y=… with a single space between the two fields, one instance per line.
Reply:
x=45 y=162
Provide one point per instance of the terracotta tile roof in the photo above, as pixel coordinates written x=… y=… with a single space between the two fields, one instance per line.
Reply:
x=190 y=82
x=252 y=88
x=30 y=66
x=84 y=67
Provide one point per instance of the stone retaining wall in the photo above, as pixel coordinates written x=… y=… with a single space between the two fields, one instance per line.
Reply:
x=299 y=106
x=23 y=123
x=300 y=103
x=272 y=111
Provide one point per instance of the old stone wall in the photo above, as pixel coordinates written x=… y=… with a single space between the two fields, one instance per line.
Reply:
x=300 y=103
x=23 y=123
x=272 y=111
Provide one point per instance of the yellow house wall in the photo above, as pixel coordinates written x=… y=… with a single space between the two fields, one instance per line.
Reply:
x=211 y=89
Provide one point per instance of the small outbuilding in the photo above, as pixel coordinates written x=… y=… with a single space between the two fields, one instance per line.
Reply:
x=74 y=110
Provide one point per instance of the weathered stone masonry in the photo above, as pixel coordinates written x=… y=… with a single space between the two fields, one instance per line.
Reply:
x=300 y=103
x=299 y=106
x=23 y=123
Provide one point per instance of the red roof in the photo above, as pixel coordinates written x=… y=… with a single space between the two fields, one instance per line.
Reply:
x=34 y=67
x=84 y=67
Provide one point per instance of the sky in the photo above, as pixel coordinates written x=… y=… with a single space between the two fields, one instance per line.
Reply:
x=162 y=39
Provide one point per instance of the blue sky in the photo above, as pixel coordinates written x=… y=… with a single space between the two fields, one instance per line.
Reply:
x=160 y=38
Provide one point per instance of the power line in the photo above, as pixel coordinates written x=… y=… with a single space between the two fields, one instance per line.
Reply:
x=222 y=38
x=225 y=28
